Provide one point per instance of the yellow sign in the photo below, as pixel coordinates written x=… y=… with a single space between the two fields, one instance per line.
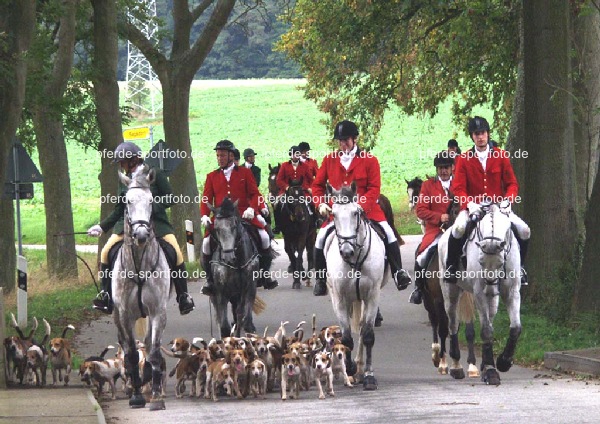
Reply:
x=137 y=133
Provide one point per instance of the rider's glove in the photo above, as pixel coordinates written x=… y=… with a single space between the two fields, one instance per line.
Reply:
x=248 y=213
x=505 y=207
x=264 y=212
x=205 y=221
x=95 y=231
x=324 y=210
x=475 y=212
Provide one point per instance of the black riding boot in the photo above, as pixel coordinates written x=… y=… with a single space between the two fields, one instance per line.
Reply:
x=401 y=277
x=320 y=288
x=416 y=297
x=455 y=247
x=179 y=276
x=208 y=288
x=264 y=260
x=523 y=245
x=103 y=301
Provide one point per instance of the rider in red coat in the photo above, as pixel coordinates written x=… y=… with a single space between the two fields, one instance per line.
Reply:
x=347 y=165
x=237 y=183
x=483 y=173
x=432 y=208
x=313 y=165
x=294 y=169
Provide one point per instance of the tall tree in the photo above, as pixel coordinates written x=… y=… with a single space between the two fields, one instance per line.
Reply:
x=51 y=70
x=176 y=73
x=106 y=89
x=17 y=22
x=550 y=205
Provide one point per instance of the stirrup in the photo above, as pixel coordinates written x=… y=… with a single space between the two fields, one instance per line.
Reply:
x=402 y=279
x=524 y=279
x=186 y=303
x=103 y=302
x=416 y=297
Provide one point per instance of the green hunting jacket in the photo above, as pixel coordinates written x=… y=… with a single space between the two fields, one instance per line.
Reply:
x=162 y=194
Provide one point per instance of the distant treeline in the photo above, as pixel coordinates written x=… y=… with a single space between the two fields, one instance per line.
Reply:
x=245 y=47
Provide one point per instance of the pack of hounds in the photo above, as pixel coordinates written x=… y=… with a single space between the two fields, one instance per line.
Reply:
x=234 y=366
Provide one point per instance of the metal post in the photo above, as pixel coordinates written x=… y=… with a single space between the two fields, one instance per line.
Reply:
x=21 y=261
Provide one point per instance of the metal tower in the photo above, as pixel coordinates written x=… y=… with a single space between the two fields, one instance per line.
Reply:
x=143 y=90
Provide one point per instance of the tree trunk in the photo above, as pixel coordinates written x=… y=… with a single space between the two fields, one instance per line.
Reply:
x=588 y=293
x=516 y=134
x=60 y=250
x=549 y=196
x=176 y=99
x=17 y=23
x=586 y=86
x=106 y=91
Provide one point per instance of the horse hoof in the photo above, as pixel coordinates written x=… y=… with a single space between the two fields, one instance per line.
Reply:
x=443 y=370
x=491 y=377
x=370 y=382
x=473 y=372
x=296 y=285
x=502 y=364
x=290 y=269
x=250 y=329
x=157 y=405
x=307 y=282
x=137 y=401
x=457 y=373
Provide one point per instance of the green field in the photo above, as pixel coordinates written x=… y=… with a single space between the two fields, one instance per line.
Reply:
x=269 y=118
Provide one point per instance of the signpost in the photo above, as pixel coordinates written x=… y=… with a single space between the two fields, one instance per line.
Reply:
x=21 y=171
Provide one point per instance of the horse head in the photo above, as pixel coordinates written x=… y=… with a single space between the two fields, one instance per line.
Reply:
x=347 y=217
x=139 y=203
x=296 y=202
x=494 y=233
x=413 y=188
x=226 y=228
x=273 y=171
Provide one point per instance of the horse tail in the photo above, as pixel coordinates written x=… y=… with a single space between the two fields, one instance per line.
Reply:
x=357 y=306
x=466 y=307
x=141 y=327
x=258 y=306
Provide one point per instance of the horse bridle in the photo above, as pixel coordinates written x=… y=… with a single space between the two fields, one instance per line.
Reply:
x=505 y=250
x=139 y=222
x=237 y=243
x=353 y=239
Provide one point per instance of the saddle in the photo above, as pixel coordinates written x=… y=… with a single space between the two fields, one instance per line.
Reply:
x=168 y=250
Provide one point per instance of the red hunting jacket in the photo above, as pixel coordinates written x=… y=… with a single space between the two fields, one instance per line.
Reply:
x=241 y=186
x=472 y=183
x=432 y=204
x=313 y=165
x=287 y=173
x=364 y=171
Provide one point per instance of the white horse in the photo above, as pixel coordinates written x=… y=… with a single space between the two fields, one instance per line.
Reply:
x=356 y=272
x=141 y=286
x=493 y=270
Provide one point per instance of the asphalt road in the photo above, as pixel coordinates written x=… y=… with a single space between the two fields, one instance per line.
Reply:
x=410 y=389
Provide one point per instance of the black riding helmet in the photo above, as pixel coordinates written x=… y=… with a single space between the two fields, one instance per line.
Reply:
x=443 y=158
x=294 y=150
x=477 y=124
x=236 y=154
x=345 y=129
x=127 y=150
x=304 y=146
x=225 y=145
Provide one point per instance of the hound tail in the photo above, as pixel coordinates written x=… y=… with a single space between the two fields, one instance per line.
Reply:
x=314 y=325
x=47 y=334
x=18 y=329
x=67 y=328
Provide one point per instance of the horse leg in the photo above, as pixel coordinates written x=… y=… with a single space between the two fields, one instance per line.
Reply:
x=367 y=335
x=489 y=374
x=472 y=370
x=443 y=334
x=132 y=360
x=157 y=402
x=513 y=305
x=451 y=301
x=221 y=315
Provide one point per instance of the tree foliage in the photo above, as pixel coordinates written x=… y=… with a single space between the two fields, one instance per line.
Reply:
x=361 y=55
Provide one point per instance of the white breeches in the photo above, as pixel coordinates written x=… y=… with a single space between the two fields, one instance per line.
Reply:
x=521 y=228
x=321 y=235
x=265 y=241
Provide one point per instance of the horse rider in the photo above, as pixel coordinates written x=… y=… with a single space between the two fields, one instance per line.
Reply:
x=313 y=165
x=236 y=157
x=432 y=208
x=351 y=164
x=237 y=183
x=453 y=147
x=482 y=173
x=249 y=158
x=293 y=169
x=129 y=157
